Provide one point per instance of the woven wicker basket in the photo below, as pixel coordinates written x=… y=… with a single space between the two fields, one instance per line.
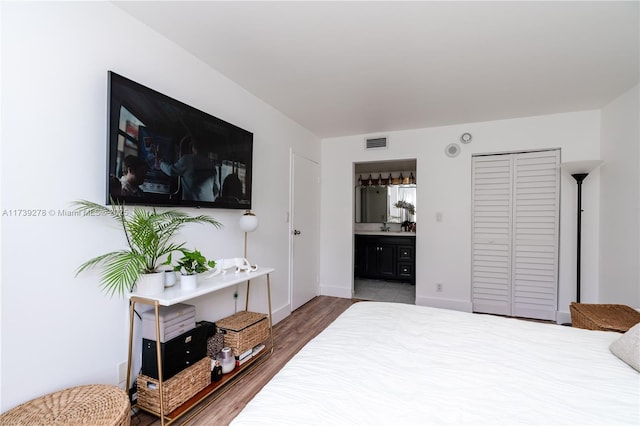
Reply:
x=244 y=330
x=603 y=317
x=177 y=390
x=99 y=405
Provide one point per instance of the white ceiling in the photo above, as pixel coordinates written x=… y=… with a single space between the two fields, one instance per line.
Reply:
x=361 y=67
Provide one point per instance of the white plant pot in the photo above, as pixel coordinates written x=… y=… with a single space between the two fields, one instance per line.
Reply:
x=188 y=282
x=169 y=278
x=150 y=284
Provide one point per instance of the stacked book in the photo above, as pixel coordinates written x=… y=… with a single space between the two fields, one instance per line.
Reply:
x=247 y=355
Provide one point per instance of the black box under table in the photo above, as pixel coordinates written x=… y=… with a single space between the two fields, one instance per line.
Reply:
x=176 y=354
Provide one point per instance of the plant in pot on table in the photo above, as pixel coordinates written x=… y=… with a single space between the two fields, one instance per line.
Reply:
x=190 y=265
x=148 y=234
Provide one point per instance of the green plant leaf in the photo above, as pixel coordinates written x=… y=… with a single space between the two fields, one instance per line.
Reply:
x=193 y=262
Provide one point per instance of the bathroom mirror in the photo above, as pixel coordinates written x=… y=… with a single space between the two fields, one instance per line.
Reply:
x=376 y=204
x=373 y=205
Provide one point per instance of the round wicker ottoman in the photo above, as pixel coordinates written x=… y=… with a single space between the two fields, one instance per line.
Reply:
x=95 y=405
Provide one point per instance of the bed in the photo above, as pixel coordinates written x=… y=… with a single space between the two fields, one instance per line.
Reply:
x=397 y=364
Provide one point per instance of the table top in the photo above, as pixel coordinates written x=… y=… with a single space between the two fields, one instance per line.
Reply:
x=206 y=284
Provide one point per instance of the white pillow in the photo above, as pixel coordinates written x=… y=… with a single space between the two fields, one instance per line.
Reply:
x=627 y=347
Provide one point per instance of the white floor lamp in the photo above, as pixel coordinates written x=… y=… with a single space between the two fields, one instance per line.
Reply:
x=580 y=170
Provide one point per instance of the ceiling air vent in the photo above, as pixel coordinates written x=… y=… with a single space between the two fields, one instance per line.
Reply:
x=375 y=143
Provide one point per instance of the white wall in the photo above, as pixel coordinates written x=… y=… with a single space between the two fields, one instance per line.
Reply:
x=58 y=330
x=620 y=201
x=444 y=186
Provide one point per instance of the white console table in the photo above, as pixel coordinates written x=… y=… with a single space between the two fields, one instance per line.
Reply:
x=174 y=295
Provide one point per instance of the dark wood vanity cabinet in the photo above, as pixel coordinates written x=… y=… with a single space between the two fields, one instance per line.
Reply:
x=406 y=260
x=385 y=257
x=379 y=260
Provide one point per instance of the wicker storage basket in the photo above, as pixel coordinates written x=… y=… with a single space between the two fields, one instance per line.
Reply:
x=244 y=330
x=618 y=318
x=96 y=405
x=177 y=390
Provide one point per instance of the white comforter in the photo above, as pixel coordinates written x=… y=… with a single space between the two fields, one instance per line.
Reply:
x=396 y=364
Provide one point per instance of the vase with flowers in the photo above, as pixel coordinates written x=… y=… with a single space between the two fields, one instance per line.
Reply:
x=408 y=211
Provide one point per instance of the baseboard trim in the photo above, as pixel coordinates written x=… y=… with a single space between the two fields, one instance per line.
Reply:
x=345 y=293
x=563 y=317
x=281 y=313
x=453 y=304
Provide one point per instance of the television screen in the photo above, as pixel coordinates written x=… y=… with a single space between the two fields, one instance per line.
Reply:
x=166 y=153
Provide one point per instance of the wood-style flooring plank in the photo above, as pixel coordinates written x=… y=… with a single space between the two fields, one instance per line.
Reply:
x=290 y=335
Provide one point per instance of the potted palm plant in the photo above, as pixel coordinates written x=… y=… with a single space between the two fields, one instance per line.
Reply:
x=148 y=234
x=190 y=265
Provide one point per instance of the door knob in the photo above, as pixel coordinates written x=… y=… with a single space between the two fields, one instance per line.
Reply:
x=296 y=232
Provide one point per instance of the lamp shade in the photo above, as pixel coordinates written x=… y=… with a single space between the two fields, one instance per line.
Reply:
x=581 y=167
x=248 y=221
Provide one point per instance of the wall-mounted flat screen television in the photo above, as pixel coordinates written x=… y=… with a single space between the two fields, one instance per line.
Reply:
x=162 y=152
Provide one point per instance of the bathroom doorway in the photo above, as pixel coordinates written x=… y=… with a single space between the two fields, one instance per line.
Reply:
x=384 y=230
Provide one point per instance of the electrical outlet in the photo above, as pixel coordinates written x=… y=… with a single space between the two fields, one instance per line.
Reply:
x=439 y=287
x=122 y=371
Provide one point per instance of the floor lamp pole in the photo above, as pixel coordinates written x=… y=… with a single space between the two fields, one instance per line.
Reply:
x=579 y=177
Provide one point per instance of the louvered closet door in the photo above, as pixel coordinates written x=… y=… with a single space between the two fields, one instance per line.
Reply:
x=535 y=234
x=491 y=238
x=515 y=234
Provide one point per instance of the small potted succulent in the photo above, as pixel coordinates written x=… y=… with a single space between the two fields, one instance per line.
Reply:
x=190 y=265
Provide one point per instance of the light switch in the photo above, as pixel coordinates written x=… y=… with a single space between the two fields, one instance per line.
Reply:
x=439 y=217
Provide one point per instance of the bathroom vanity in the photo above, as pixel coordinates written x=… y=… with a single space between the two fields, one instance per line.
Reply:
x=385 y=255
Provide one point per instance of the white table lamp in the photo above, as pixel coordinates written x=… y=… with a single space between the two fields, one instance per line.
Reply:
x=248 y=223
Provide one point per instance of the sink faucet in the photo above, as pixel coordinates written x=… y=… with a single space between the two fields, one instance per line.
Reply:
x=384 y=227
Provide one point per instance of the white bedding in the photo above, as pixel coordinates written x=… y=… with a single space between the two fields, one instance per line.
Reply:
x=397 y=364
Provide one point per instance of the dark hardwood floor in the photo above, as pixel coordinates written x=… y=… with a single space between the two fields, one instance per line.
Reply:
x=290 y=335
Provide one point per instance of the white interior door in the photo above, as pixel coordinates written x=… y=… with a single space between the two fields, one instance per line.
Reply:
x=305 y=235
